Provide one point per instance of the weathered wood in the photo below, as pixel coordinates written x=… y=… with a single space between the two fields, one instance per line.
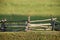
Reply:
x=43 y=20
x=43 y=29
x=28 y=24
x=3 y=26
x=14 y=21
x=46 y=24
x=52 y=23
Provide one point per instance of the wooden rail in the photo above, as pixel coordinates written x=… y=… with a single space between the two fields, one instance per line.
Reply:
x=43 y=20
x=52 y=20
x=46 y=24
x=28 y=23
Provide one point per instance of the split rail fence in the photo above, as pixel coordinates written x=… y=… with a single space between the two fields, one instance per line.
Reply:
x=27 y=24
x=44 y=26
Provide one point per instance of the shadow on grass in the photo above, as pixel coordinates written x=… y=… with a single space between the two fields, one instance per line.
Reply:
x=24 y=17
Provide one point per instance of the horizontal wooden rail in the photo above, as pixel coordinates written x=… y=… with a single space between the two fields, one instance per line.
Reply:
x=47 y=24
x=42 y=29
x=16 y=26
x=43 y=20
x=15 y=21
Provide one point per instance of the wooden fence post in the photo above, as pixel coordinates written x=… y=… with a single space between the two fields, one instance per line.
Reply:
x=52 y=23
x=3 y=26
x=28 y=24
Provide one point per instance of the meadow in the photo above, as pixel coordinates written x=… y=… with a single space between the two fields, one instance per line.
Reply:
x=21 y=9
x=37 y=9
x=42 y=35
x=30 y=7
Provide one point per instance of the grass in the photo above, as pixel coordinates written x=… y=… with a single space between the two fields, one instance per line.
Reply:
x=37 y=9
x=42 y=35
x=12 y=29
x=25 y=17
x=30 y=7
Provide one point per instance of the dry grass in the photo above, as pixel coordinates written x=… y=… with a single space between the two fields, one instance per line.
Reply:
x=42 y=35
x=30 y=7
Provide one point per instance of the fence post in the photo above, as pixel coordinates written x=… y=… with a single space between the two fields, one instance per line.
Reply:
x=52 y=23
x=28 y=24
x=3 y=26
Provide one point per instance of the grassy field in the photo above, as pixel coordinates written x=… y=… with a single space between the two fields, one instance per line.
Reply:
x=20 y=9
x=37 y=9
x=42 y=35
x=30 y=7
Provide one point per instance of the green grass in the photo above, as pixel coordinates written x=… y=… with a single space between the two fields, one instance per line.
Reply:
x=25 y=17
x=42 y=35
x=37 y=9
x=30 y=7
x=12 y=29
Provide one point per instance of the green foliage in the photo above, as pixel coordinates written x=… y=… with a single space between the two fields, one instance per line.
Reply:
x=42 y=35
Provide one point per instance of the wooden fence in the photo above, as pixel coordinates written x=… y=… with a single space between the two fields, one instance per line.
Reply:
x=29 y=24
x=52 y=23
